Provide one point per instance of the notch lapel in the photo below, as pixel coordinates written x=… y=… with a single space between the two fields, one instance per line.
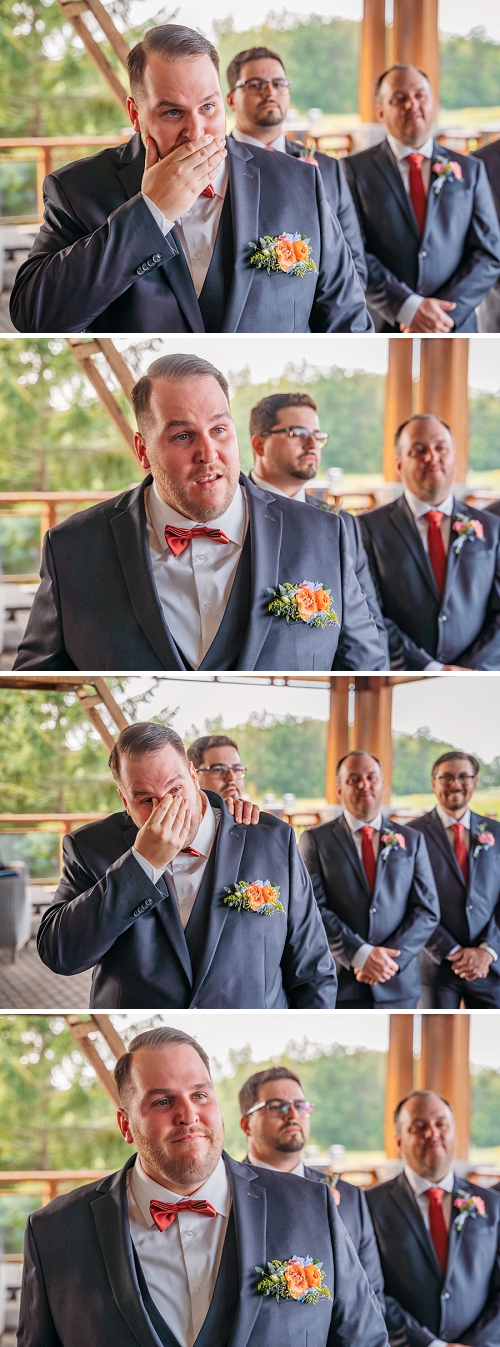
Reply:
x=244 y=177
x=113 y=1232
x=178 y=276
x=381 y=869
x=250 y=1219
x=387 y=164
x=403 y=520
x=229 y=845
x=168 y=913
x=454 y=559
x=433 y=198
x=131 y=541
x=131 y=166
x=455 y=1237
x=343 y=835
x=405 y=1199
x=441 y=840
x=266 y=527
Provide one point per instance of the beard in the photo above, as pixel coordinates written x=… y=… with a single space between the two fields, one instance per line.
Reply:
x=305 y=473
x=269 y=117
x=182 y=1170
x=178 y=495
x=294 y=1143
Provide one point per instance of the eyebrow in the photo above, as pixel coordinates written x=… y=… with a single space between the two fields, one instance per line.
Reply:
x=166 y=102
x=218 y=416
x=147 y=791
x=156 y=1089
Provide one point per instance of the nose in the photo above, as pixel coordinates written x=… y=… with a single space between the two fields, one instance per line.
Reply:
x=186 y=1113
x=207 y=450
x=194 y=126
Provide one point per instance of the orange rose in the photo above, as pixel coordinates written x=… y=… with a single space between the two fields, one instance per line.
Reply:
x=313 y=1275
x=306 y=603
x=268 y=893
x=285 y=254
x=322 y=600
x=301 y=251
x=255 y=896
x=296 y=1280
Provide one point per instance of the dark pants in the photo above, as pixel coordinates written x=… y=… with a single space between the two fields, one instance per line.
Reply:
x=451 y=998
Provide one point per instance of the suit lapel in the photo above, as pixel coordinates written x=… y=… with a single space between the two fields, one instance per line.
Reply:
x=266 y=526
x=454 y=559
x=111 y=1220
x=229 y=845
x=403 y=520
x=441 y=840
x=455 y=1236
x=131 y=166
x=388 y=167
x=342 y=834
x=250 y=1211
x=433 y=198
x=381 y=870
x=404 y=1198
x=244 y=177
x=130 y=536
x=168 y=914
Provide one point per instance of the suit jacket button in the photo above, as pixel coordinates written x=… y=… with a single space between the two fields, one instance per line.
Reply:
x=157 y=257
x=421 y=255
x=445 y=1295
x=373 y=909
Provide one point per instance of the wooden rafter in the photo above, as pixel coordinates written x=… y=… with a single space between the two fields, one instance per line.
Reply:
x=80 y=1030
x=74 y=10
x=89 y=701
x=84 y=352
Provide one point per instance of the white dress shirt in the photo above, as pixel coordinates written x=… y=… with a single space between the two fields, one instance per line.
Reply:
x=420 y=1187
x=278 y=144
x=299 y=495
x=420 y=510
x=412 y=303
x=197 y=228
x=180 y=1264
x=185 y=873
x=354 y=825
x=194 y=587
x=261 y=1164
x=447 y=821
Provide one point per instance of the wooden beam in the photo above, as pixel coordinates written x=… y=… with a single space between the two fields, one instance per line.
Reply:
x=83 y=353
x=74 y=11
x=415 y=38
x=338 y=731
x=444 y=1067
x=399 y=1079
x=443 y=389
x=80 y=1030
x=373 y=722
x=372 y=56
x=117 y=364
x=398 y=397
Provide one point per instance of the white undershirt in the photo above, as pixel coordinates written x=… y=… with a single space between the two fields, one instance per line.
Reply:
x=299 y=495
x=197 y=228
x=354 y=825
x=400 y=151
x=180 y=1264
x=194 y=587
x=261 y=1164
x=278 y=144
x=420 y=1187
x=185 y=873
x=447 y=821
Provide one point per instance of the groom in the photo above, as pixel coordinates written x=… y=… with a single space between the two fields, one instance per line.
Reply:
x=169 y=1251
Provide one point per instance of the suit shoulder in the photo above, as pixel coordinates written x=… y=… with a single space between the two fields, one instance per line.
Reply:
x=92 y=518
x=100 y=828
x=489 y=520
x=322 y=830
x=377 y=1195
x=362 y=159
x=271 y=821
x=489 y=153
x=92 y=167
x=63 y=1206
x=422 y=822
x=380 y=515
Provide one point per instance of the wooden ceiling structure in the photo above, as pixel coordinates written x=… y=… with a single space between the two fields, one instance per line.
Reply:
x=91 y=692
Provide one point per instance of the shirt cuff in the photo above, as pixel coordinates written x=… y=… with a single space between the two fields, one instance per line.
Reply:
x=438 y=1342
x=152 y=874
x=408 y=309
x=484 y=945
x=433 y=664
x=361 y=956
x=453 y=951
x=165 y=225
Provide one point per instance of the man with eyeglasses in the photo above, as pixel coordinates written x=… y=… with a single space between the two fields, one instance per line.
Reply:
x=259 y=97
x=287 y=443
x=375 y=890
x=216 y=761
x=461 y=961
x=275 y=1118
x=435 y=560
x=438 y=1236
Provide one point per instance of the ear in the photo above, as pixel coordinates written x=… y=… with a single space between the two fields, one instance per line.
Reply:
x=338 y=789
x=230 y=99
x=124 y=1125
x=397 y=1140
x=141 y=451
x=379 y=112
x=245 y=1126
x=258 y=442
x=193 y=772
x=133 y=113
x=398 y=464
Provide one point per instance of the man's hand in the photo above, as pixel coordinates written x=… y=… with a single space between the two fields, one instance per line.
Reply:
x=165 y=832
x=175 y=182
x=432 y=316
x=455 y=668
x=379 y=966
x=243 y=811
x=471 y=963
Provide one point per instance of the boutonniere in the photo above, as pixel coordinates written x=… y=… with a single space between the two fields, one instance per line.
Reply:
x=259 y=897
x=331 y=1181
x=468 y=1205
x=392 y=842
x=283 y=252
x=446 y=170
x=307 y=602
x=467 y=530
x=482 y=842
x=299 y=1279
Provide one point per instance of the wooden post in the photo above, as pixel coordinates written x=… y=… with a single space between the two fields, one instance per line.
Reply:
x=338 y=731
x=415 y=39
x=443 y=389
x=444 y=1067
x=399 y=1079
x=80 y=1030
x=373 y=722
x=74 y=10
x=398 y=397
x=83 y=353
x=372 y=56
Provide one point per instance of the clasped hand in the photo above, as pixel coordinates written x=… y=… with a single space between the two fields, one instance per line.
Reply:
x=471 y=963
x=175 y=182
x=379 y=966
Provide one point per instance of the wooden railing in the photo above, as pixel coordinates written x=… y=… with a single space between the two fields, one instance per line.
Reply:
x=42 y=150
x=48 y=503
x=48 y=1181
x=35 y=823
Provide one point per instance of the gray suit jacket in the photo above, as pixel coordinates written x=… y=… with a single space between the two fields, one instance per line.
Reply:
x=339 y=197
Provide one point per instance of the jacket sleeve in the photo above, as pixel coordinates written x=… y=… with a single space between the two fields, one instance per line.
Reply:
x=384 y=292
x=484 y=653
x=480 y=263
x=71 y=276
x=359 y=645
x=308 y=970
x=403 y=1328
x=422 y=911
x=344 y=943
x=36 y=1325
x=42 y=646
x=339 y=301
x=349 y=223
x=88 y=917
x=357 y=1319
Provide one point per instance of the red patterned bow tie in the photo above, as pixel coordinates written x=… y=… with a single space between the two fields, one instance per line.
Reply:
x=190 y=851
x=208 y=191
x=177 y=539
x=164 y=1213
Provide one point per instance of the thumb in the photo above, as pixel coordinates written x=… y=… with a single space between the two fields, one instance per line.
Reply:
x=446 y=304
x=152 y=156
x=392 y=952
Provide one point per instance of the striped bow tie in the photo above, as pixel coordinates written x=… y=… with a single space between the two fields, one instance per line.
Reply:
x=177 y=539
x=164 y=1213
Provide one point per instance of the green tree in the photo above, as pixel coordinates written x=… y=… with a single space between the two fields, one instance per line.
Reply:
x=470 y=71
x=321 y=57
x=485 y=1128
x=282 y=753
x=484 y=431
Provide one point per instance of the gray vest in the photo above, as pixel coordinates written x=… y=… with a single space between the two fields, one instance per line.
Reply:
x=195 y=930
x=225 y=649
x=217 y=1327
x=217 y=284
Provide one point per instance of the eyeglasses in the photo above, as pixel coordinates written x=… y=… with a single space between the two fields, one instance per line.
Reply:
x=281 y=1106
x=258 y=86
x=448 y=779
x=300 y=433
x=221 y=769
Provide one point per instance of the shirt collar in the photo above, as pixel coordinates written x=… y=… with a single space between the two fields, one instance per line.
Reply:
x=421 y=1185
x=267 y=486
x=401 y=151
x=447 y=820
x=356 y=823
x=144 y=1190
x=421 y=507
x=278 y=144
x=233 y=522
x=261 y=1164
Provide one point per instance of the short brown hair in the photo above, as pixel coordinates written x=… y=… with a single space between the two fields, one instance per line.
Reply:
x=162 y=1037
x=197 y=749
x=398 y=65
x=173 y=42
x=250 y=1090
x=417 y=1094
x=263 y=415
x=420 y=416
x=243 y=57
x=453 y=756
x=144 y=737
x=176 y=368
x=356 y=753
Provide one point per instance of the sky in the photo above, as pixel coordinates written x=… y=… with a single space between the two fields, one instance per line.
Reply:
x=455 y=16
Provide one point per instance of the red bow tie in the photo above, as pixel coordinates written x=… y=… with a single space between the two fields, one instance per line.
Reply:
x=190 y=851
x=177 y=539
x=208 y=191
x=164 y=1213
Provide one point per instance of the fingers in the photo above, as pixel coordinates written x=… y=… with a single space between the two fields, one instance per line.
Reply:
x=243 y=811
x=446 y=304
x=152 y=156
x=200 y=151
x=391 y=952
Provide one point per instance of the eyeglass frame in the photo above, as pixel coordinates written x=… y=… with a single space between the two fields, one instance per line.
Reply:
x=223 y=767
x=301 y=1106
x=263 y=84
x=309 y=434
x=461 y=777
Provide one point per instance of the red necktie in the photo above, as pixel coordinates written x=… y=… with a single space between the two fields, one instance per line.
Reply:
x=164 y=1213
x=368 y=856
x=460 y=849
x=208 y=191
x=437 y=1225
x=437 y=554
x=177 y=539
x=190 y=851
x=417 y=189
